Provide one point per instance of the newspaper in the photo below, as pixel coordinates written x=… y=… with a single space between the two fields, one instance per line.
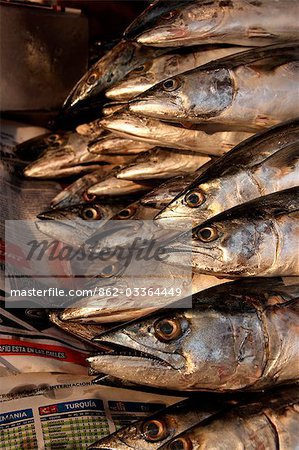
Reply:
x=68 y=413
x=30 y=343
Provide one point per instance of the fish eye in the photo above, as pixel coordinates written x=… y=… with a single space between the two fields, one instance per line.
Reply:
x=207 y=234
x=108 y=271
x=92 y=78
x=91 y=214
x=125 y=213
x=54 y=139
x=89 y=197
x=168 y=330
x=171 y=84
x=194 y=198
x=181 y=444
x=170 y=15
x=154 y=430
x=139 y=69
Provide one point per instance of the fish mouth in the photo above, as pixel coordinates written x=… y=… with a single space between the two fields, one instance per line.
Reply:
x=125 y=349
x=121 y=354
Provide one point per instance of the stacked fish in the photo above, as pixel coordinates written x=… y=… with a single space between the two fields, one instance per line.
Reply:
x=202 y=125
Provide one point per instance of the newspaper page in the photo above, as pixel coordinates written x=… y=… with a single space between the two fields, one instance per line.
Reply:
x=30 y=343
x=68 y=413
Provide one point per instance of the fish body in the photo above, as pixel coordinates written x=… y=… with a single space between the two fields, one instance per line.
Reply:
x=161 y=163
x=230 y=340
x=172 y=135
x=165 y=66
x=251 y=90
x=237 y=22
x=112 y=67
x=256 y=238
x=261 y=165
x=271 y=422
x=156 y=430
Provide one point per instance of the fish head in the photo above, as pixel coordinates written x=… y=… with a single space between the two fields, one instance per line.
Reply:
x=111 y=68
x=229 y=245
x=85 y=211
x=198 y=202
x=38 y=145
x=74 y=223
x=192 y=96
x=88 y=88
x=180 y=22
x=180 y=349
x=61 y=154
x=163 y=101
x=153 y=351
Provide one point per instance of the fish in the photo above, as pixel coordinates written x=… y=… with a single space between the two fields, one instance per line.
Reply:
x=112 y=186
x=103 y=309
x=256 y=238
x=260 y=165
x=230 y=340
x=250 y=91
x=73 y=156
x=159 y=428
x=112 y=67
x=75 y=223
x=162 y=163
x=76 y=192
x=271 y=422
x=238 y=22
x=165 y=66
x=170 y=135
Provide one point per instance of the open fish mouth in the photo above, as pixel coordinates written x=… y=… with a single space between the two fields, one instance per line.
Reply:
x=119 y=351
